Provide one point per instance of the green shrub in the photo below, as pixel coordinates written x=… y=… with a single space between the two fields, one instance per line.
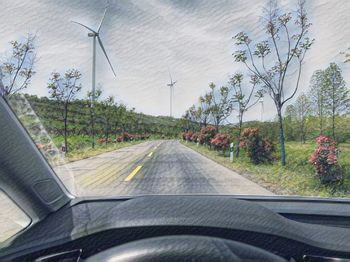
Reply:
x=259 y=149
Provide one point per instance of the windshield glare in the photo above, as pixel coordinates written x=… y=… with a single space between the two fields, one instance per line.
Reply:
x=184 y=97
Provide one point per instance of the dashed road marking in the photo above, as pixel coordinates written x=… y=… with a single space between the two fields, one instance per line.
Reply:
x=133 y=173
x=150 y=154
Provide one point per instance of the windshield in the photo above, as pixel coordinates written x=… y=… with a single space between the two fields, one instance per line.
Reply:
x=183 y=97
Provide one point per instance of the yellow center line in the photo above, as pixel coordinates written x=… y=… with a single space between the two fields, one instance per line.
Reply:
x=133 y=173
x=150 y=154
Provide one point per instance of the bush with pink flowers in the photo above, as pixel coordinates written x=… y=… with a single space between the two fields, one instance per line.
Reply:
x=221 y=141
x=194 y=137
x=325 y=161
x=207 y=134
x=259 y=149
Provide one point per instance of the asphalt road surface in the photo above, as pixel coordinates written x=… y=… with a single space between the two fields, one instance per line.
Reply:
x=155 y=167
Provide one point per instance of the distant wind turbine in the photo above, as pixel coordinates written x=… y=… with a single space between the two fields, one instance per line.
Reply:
x=261 y=101
x=171 y=85
x=95 y=35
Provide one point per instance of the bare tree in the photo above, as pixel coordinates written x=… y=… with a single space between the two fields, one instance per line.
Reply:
x=221 y=107
x=243 y=99
x=17 y=71
x=284 y=49
x=64 y=89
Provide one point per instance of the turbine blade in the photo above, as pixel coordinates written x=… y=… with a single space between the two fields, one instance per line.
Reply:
x=171 y=79
x=88 y=28
x=103 y=17
x=104 y=51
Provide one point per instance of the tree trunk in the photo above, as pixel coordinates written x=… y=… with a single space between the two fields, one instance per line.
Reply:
x=281 y=131
x=333 y=126
x=302 y=134
x=217 y=122
x=239 y=135
x=65 y=126
x=333 y=110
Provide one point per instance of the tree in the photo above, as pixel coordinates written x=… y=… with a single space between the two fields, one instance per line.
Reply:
x=243 y=100
x=119 y=117
x=317 y=97
x=221 y=106
x=18 y=69
x=337 y=97
x=205 y=103
x=195 y=114
x=303 y=108
x=290 y=122
x=64 y=89
x=284 y=49
x=108 y=107
x=347 y=56
x=92 y=103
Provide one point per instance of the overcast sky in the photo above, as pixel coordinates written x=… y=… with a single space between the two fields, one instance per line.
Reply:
x=144 y=38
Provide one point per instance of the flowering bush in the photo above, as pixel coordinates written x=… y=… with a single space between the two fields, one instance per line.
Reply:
x=101 y=140
x=200 y=139
x=128 y=137
x=258 y=149
x=207 y=133
x=325 y=160
x=194 y=137
x=188 y=135
x=145 y=136
x=131 y=137
x=221 y=141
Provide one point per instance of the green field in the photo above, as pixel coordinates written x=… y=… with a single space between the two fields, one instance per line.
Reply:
x=297 y=178
x=80 y=147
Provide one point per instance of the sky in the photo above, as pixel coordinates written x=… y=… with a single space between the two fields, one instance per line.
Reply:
x=145 y=39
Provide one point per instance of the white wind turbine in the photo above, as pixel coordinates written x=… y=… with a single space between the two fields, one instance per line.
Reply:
x=95 y=35
x=171 y=85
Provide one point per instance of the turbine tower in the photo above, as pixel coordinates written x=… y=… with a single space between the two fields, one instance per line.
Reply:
x=261 y=101
x=171 y=85
x=95 y=36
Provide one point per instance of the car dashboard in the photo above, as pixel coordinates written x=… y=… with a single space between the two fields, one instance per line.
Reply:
x=294 y=229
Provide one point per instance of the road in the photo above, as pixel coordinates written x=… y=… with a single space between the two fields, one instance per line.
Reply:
x=155 y=167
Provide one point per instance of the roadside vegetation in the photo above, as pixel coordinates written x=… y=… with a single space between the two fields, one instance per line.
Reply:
x=304 y=149
x=115 y=126
x=296 y=178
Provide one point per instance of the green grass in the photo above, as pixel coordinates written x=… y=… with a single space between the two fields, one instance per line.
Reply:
x=80 y=147
x=297 y=178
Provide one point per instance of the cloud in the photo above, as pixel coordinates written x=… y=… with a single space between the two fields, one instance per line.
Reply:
x=145 y=38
